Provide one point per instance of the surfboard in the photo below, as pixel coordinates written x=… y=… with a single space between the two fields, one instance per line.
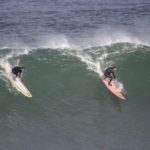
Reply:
x=113 y=89
x=20 y=87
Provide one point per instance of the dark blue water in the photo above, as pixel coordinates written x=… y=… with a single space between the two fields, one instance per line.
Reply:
x=29 y=22
x=65 y=45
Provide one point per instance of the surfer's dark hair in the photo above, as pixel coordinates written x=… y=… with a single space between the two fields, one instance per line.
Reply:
x=114 y=67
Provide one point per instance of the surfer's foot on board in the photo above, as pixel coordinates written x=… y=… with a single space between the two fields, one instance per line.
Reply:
x=110 y=84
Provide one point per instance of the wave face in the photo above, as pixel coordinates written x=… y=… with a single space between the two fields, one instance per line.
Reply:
x=65 y=46
x=68 y=95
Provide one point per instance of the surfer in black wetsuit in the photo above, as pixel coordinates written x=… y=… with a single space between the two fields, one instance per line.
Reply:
x=17 y=71
x=109 y=73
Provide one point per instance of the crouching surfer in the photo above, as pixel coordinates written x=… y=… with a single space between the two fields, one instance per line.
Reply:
x=110 y=73
x=17 y=71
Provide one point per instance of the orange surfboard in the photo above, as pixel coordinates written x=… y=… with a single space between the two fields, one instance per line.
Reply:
x=114 y=90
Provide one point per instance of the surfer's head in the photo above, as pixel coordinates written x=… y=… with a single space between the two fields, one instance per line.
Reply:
x=114 y=68
x=23 y=68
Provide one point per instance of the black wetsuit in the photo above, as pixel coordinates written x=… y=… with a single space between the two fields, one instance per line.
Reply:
x=17 y=71
x=109 y=73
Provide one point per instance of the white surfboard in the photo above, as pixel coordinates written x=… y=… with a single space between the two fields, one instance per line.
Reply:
x=20 y=87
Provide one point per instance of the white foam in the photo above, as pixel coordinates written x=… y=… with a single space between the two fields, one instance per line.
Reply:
x=109 y=36
x=119 y=85
x=58 y=41
x=92 y=64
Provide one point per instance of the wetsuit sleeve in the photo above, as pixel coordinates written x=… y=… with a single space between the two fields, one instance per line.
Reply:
x=19 y=73
x=113 y=75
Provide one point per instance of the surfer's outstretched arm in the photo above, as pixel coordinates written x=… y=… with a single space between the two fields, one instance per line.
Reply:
x=113 y=75
x=19 y=74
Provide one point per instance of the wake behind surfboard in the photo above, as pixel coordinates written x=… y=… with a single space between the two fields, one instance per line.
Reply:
x=19 y=86
x=113 y=89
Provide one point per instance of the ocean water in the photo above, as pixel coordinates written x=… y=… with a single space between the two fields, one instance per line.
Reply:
x=65 y=46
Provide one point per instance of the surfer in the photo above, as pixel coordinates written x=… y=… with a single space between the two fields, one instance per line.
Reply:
x=17 y=71
x=109 y=73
